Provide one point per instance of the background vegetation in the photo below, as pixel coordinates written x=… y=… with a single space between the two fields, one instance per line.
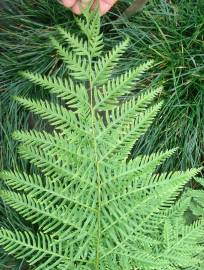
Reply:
x=170 y=32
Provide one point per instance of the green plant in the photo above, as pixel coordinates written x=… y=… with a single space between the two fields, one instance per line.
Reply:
x=94 y=207
x=171 y=33
x=196 y=208
x=25 y=28
x=197 y=199
x=164 y=29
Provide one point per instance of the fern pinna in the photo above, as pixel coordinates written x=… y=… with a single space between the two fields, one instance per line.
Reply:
x=95 y=207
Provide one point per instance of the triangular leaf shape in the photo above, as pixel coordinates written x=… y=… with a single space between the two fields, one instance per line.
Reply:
x=95 y=207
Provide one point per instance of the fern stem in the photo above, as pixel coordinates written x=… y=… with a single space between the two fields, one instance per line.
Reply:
x=96 y=161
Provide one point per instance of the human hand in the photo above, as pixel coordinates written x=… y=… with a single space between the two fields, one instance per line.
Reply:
x=75 y=5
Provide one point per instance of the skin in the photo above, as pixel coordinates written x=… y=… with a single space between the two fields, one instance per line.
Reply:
x=74 y=5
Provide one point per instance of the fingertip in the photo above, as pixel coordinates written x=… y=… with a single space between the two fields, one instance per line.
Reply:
x=106 y=5
x=79 y=6
x=68 y=3
x=76 y=9
x=104 y=9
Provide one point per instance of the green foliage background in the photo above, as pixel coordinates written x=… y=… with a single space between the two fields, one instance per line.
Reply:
x=169 y=32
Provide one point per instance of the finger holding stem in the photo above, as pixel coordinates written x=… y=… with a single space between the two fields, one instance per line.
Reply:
x=77 y=5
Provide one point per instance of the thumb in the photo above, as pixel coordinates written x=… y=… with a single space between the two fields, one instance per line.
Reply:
x=106 y=5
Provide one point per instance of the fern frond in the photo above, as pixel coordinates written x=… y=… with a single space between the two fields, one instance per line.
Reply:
x=91 y=28
x=176 y=211
x=79 y=46
x=123 y=115
x=49 y=219
x=74 y=94
x=51 y=165
x=126 y=137
x=52 y=144
x=197 y=200
x=77 y=64
x=129 y=110
x=106 y=98
x=178 y=243
x=137 y=169
x=46 y=192
x=200 y=181
x=116 y=227
x=160 y=196
x=104 y=67
x=33 y=248
x=93 y=205
x=55 y=114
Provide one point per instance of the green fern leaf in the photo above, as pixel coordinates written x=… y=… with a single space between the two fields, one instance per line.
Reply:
x=118 y=86
x=56 y=115
x=94 y=207
x=76 y=64
x=33 y=248
x=79 y=46
x=104 y=67
x=73 y=94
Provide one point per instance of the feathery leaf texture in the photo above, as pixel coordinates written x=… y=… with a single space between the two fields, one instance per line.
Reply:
x=96 y=208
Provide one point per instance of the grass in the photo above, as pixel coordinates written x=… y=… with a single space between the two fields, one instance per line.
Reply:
x=171 y=33
x=24 y=36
